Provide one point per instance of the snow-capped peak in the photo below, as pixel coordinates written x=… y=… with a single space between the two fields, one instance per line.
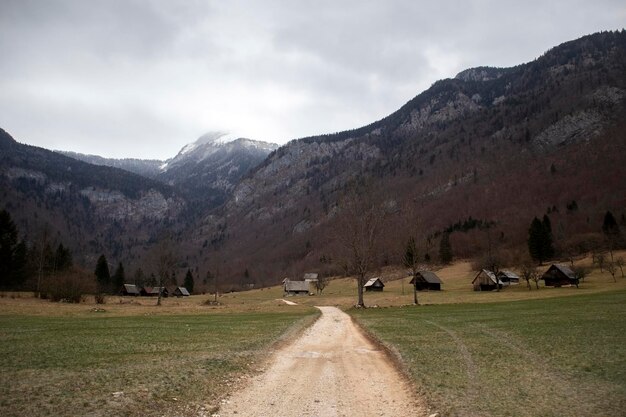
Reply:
x=211 y=143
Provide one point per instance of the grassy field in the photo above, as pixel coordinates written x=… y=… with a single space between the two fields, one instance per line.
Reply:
x=83 y=363
x=542 y=352
x=553 y=357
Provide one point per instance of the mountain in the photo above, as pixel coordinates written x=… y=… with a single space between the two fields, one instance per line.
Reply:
x=476 y=156
x=148 y=168
x=207 y=170
x=490 y=146
x=91 y=209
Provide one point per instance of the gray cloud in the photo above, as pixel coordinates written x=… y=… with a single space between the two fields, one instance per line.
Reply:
x=142 y=78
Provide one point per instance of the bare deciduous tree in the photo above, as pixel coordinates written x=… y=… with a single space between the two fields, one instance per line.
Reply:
x=321 y=283
x=411 y=260
x=619 y=262
x=529 y=271
x=580 y=272
x=600 y=260
x=357 y=233
x=165 y=261
x=612 y=268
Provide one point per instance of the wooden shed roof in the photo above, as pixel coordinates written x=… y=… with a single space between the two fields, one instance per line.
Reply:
x=428 y=276
x=297 y=286
x=488 y=274
x=131 y=289
x=374 y=282
x=565 y=270
x=312 y=276
x=182 y=291
x=508 y=274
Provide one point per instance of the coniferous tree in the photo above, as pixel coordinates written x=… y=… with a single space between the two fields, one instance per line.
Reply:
x=139 y=277
x=445 y=249
x=547 y=244
x=102 y=273
x=189 y=281
x=540 y=244
x=12 y=253
x=62 y=258
x=119 y=277
x=609 y=225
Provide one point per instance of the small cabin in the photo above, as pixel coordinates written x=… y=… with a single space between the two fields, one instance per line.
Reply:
x=486 y=281
x=296 y=287
x=130 y=289
x=508 y=277
x=154 y=292
x=311 y=277
x=558 y=276
x=181 y=292
x=426 y=280
x=374 y=284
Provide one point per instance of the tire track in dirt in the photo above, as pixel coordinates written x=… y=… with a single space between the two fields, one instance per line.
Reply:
x=331 y=370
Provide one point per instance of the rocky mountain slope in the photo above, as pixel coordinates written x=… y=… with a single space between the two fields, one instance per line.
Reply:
x=91 y=209
x=148 y=168
x=207 y=170
x=498 y=144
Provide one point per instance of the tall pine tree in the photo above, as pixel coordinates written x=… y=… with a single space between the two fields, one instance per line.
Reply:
x=540 y=244
x=12 y=253
x=119 y=277
x=189 y=281
x=103 y=275
x=547 y=245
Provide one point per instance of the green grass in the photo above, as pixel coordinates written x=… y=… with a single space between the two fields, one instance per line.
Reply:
x=157 y=365
x=552 y=357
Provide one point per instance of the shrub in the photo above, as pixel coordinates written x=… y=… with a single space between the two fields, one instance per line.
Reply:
x=69 y=287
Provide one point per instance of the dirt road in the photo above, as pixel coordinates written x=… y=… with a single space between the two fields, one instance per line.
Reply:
x=331 y=370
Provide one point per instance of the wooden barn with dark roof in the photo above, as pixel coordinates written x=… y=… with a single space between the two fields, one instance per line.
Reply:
x=426 y=280
x=374 y=284
x=154 y=292
x=130 y=289
x=181 y=292
x=508 y=277
x=296 y=287
x=486 y=281
x=558 y=276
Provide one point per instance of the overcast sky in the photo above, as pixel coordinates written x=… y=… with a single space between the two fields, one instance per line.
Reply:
x=141 y=78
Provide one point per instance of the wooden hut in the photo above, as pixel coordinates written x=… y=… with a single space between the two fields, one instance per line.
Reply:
x=374 y=284
x=154 y=291
x=310 y=277
x=130 y=289
x=181 y=292
x=296 y=287
x=508 y=277
x=486 y=281
x=559 y=275
x=426 y=280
